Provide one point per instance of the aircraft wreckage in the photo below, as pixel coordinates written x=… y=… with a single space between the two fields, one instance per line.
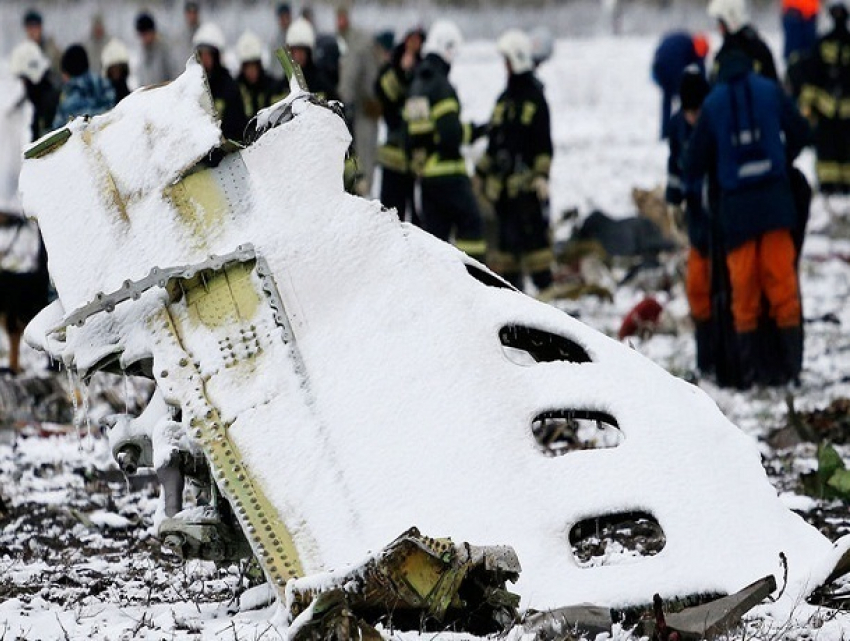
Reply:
x=328 y=377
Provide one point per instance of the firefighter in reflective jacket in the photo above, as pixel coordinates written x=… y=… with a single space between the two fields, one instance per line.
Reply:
x=258 y=89
x=825 y=100
x=397 y=181
x=746 y=132
x=515 y=169
x=740 y=36
x=435 y=135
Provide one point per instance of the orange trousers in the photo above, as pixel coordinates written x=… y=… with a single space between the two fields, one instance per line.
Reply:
x=698 y=285
x=764 y=267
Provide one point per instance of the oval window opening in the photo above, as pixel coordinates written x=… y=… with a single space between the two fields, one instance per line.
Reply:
x=616 y=539
x=560 y=432
x=541 y=346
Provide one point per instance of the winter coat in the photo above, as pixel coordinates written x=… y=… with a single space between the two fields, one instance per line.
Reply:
x=94 y=49
x=155 y=64
x=746 y=40
x=44 y=98
x=826 y=91
x=434 y=129
x=519 y=147
x=681 y=190
x=265 y=92
x=84 y=95
x=318 y=82
x=228 y=103
x=391 y=89
x=358 y=70
x=675 y=52
x=739 y=136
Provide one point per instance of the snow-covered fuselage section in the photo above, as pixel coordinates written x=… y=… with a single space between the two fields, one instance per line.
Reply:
x=347 y=376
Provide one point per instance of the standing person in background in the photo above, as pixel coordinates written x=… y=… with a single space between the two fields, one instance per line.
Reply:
x=799 y=26
x=31 y=65
x=680 y=192
x=283 y=14
x=34 y=28
x=96 y=42
x=435 y=134
x=83 y=93
x=115 y=62
x=515 y=169
x=358 y=70
x=183 y=48
x=397 y=180
x=738 y=35
x=825 y=100
x=302 y=40
x=209 y=43
x=154 y=61
x=674 y=53
x=258 y=89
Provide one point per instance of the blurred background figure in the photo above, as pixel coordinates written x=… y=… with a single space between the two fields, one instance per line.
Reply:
x=358 y=70
x=115 y=62
x=96 y=42
x=398 y=182
x=302 y=39
x=34 y=29
x=182 y=45
x=83 y=92
x=283 y=13
x=676 y=51
x=739 y=36
x=31 y=65
x=542 y=45
x=825 y=100
x=154 y=61
x=209 y=43
x=258 y=89
x=799 y=26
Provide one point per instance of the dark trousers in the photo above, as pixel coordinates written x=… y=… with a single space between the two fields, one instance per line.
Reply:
x=449 y=204
x=397 y=191
x=800 y=33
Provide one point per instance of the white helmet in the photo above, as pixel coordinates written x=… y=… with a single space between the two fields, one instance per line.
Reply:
x=249 y=47
x=444 y=39
x=114 y=53
x=542 y=45
x=29 y=62
x=301 y=34
x=515 y=46
x=209 y=34
x=733 y=13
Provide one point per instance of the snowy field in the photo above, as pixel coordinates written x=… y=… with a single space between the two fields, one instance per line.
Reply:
x=78 y=561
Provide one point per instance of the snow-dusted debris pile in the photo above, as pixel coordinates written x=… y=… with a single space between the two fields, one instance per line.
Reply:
x=349 y=376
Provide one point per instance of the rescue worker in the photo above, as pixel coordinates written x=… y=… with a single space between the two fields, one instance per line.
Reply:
x=435 y=135
x=358 y=70
x=825 y=100
x=397 y=180
x=738 y=35
x=209 y=43
x=302 y=40
x=515 y=169
x=34 y=29
x=675 y=52
x=83 y=93
x=258 y=89
x=283 y=15
x=799 y=26
x=96 y=42
x=115 y=62
x=154 y=61
x=746 y=133
x=31 y=65
x=183 y=47
x=680 y=192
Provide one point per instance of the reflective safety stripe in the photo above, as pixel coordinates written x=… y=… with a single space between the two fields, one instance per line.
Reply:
x=443 y=108
x=828 y=171
x=391 y=85
x=542 y=164
x=755 y=168
x=528 y=111
x=539 y=260
x=476 y=248
x=466 y=138
x=392 y=158
x=435 y=167
x=674 y=182
x=503 y=263
x=420 y=127
x=829 y=51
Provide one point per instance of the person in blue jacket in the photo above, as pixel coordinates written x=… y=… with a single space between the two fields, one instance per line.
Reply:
x=84 y=93
x=747 y=133
x=675 y=52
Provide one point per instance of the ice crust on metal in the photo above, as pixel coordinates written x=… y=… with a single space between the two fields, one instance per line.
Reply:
x=405 y=409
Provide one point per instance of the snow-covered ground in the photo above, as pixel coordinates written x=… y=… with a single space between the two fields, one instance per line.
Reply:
x=605 y=119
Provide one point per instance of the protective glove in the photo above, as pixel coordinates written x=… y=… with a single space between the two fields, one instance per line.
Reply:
x=540 y=185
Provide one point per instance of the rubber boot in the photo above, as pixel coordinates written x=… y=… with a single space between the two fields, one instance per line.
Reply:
x=748 y=358
x=705 y=346
x=791 y=340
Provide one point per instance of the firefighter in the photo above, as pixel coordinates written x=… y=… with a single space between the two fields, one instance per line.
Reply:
x=397 y=181
x=738 y=35
x=825 y=100
x=675 y=52
x=301 y=40
x=435 y=135
x=258 y=89
x=693 y=88
x=747 y=131
x=209 y=43
x=115 y=62
x=515 y=168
